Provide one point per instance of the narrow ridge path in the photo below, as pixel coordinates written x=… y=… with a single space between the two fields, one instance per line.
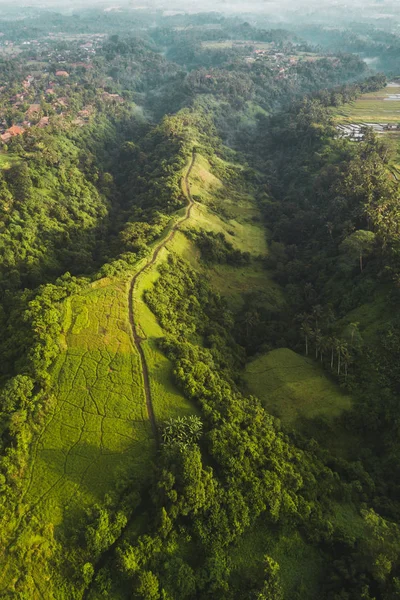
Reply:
x=136 y=337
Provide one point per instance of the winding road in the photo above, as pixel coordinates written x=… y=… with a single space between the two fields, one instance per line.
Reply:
x=134 y=325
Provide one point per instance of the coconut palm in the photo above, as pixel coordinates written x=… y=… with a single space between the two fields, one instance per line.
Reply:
x=307 y=332
x=341 y=349
x=317 y=335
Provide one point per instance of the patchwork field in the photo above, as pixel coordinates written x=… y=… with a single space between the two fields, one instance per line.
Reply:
x=374 y=107
x=293 y=387
x=99 y=426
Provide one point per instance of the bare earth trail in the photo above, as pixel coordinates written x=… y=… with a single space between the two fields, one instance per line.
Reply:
x=136 y=337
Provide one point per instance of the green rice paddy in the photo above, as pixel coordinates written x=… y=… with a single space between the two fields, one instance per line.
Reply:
x=374 y=107
x=99 y=426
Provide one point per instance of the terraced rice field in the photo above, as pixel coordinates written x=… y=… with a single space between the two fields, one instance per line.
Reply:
x=374 y=107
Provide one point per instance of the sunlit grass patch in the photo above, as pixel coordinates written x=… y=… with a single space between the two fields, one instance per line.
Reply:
x=100 y=426
x=234 y=283
x=166 y=398
x=293 y=387
x=247 y=237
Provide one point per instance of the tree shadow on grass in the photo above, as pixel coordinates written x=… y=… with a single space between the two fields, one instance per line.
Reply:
x=82 y=477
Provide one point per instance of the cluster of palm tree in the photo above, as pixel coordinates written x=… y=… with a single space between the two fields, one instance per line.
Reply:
x=325 y=344
x=182 y=431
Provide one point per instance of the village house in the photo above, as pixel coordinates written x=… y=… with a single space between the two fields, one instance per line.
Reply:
x=11 y=132
x=44 y=121
x=62 y=102
x=62 y=74
x=33 y=109
x=112 y=97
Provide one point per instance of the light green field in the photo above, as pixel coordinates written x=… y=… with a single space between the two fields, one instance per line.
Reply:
x=373 y=107
x=99 y=426
x=167 y=399
x=230 y=200
x=234 y=283
x=245 y=236
x=293 y=387
x=235 y=43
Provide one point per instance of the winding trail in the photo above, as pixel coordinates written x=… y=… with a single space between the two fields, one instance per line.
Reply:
x=136 y=337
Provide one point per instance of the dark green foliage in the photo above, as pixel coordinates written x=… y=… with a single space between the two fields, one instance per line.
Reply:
x=216 y=249
x=182 y=431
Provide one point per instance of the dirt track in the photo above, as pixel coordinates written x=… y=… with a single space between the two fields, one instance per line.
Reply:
x=136 y=337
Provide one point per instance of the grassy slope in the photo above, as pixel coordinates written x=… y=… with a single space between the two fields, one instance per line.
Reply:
x=293 y=387
x=167 y=399
x=224 y=208
x=100 y=423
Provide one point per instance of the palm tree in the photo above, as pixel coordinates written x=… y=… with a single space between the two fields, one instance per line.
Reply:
x=308 y=291
x=317 y=314
x=317 y=339
x=307 y=332
x=332 y=343
x=323 y=347
x=341 y=349
x=346 y=359
x=353 y=330
x=329 y=227
x=251 y=319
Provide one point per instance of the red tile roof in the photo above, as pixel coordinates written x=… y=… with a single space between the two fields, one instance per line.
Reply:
x=15 y=130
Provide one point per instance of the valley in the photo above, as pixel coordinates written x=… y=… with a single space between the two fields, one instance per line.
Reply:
x=199 y=275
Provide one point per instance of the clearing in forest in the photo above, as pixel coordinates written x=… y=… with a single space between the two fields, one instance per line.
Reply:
x=224 y=205
x=293 y=387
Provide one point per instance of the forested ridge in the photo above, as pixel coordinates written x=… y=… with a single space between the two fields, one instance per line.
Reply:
x=199 y=333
